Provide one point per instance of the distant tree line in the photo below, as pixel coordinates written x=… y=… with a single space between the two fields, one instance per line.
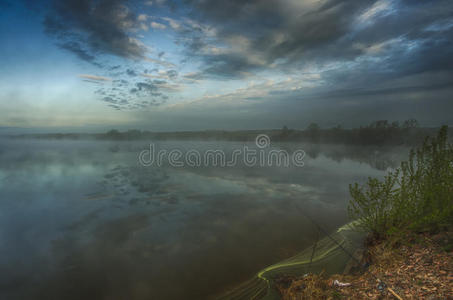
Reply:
x=381 y=132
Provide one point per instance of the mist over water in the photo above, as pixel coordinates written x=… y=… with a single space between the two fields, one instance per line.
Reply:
x=84 y=219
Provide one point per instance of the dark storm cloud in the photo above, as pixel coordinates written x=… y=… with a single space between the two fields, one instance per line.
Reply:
x=291 y=34
x=88 y=28
x=229 y=65
x=274 y=30
x=401 y=66
x=76 y=48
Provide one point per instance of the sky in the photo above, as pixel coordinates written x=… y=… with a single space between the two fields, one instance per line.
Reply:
x=165 y=65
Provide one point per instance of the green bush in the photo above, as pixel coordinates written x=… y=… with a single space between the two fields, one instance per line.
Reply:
x=416 y=196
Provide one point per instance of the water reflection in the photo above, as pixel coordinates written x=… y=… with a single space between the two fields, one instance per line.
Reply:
x=84 y=220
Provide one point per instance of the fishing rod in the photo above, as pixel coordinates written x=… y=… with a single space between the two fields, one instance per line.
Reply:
x=381 y=285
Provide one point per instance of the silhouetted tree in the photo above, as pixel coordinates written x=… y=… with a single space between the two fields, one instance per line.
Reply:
x=313 y=132
x=113 y=134
x=410 y=123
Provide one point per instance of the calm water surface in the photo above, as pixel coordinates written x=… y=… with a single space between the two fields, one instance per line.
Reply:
x=84 y=220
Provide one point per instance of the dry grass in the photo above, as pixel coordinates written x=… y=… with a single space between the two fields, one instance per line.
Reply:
x=419 y=269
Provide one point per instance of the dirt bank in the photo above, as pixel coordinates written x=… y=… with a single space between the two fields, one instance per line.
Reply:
x=420 y=267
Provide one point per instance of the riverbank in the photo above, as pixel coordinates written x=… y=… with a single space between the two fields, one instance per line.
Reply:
x=419 y=267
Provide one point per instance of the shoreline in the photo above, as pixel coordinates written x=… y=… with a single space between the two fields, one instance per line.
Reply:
x=420 y=268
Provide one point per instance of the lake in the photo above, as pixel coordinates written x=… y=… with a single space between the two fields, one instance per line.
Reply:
x=87 y=220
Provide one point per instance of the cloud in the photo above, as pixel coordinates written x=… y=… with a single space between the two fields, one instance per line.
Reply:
x=248 y=37
x=131 y=72
x=94 y=77
x=76 y=48
x=146 y=86
x=168 y=87
x=88 y=28
x=274 y=104
x=168 y=75
x=381 y=7
x=193 y=76
x=134 y=92
x=160 y=62
x=172 y=74
x=144 y=27
x=338 y=53
x=142 y=17
x=174 y=24
x=153 y=76
x=157 y=25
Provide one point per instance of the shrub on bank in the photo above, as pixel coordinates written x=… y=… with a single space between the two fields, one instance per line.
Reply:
x=416 y=196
